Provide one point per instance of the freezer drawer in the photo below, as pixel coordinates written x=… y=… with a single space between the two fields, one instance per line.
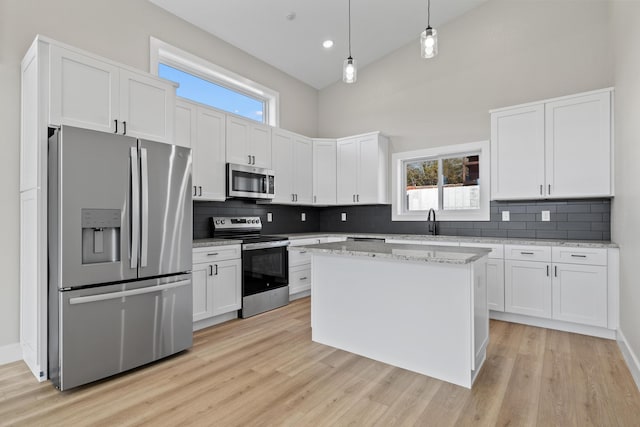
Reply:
x=110 y=329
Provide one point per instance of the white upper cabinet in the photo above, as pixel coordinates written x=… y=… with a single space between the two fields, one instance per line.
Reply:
x=292 y=162
x=578 y=146
x=517 y=153
x=324 y=171
x=362 y=165
x=96 y=94
x=203 y=129
x=248 y=142
x=559 y=148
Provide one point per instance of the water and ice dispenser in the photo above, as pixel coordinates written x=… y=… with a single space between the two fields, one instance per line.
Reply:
x=100 y=235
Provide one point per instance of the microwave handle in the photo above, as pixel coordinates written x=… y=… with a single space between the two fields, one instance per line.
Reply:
x=264 y=184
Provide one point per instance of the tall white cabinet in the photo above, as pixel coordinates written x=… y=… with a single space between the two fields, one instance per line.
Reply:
x=65 y=85
x=203 y=129
x=558 y=148
x=292 y=162
x=362 y=169
x=324 y=171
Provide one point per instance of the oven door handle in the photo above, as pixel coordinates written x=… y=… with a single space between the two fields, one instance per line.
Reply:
x=265 y=245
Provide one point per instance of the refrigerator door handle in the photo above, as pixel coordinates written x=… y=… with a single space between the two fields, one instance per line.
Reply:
x=135 y=207
x=144 y=173
x=121 y=294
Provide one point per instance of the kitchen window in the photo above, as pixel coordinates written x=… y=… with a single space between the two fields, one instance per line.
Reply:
x=452 y=180
x=204 y=82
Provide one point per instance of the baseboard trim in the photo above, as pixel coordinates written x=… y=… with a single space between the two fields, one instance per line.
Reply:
x=559 y=325
x=10 y=353
x=630 y=357
x=302 y=294
x=205 y=323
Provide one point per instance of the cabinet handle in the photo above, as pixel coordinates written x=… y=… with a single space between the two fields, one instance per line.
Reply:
x=303 y=252
x=200 y=187
x=124 y=125
x=315 y=199
x=547 y=271
x=555 y=270
x=213 y=254
x=254 y=160
x=296 y=197
x=526 y=253
x=549 y=189
x=303 y=278
x=211 y=270
x=578 y=256
x=358 y=198
x=249 y=156
x=541 y=189
x=354 y=198
x=292 y=197
x=116 y=121
x=195 y=190
x=216 y=269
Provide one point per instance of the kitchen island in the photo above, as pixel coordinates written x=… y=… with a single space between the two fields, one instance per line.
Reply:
x=418 y=307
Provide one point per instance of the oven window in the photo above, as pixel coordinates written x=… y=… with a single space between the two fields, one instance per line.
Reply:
x=264 y=269
x=247 y=182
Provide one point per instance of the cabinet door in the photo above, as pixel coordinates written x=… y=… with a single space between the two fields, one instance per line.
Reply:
x=147 y=107
x=84 y=91
x=347 y=165
x=227 y=286
x=517 y=153
x=260 y=145
x=368 y=170
x=283 y=165
x=324 y=172
x=578 y=146
x=185 y=125
x=303 y=170
x=528 y=288
x=238 y=141
x=202 y=299
x=209 y=155
x=580 y=294
x=495 y=284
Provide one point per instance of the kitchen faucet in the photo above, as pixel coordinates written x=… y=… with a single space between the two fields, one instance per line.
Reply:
x=431 y=222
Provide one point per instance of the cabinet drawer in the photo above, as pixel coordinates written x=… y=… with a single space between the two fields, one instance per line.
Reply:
x=589 y=256
x=216 y=253
x=297 y=258
x=299 y=279
x=528 y=253
x=497 y=250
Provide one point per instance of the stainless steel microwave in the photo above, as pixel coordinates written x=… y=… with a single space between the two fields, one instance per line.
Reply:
x=250 y=182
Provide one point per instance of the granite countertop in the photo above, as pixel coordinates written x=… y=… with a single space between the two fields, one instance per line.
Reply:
x=401 y=252
x=466 y=239
x=203 y=243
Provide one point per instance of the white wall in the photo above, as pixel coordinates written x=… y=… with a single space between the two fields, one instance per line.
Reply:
x=625 y=220
x=499 y=54
x=119 y=30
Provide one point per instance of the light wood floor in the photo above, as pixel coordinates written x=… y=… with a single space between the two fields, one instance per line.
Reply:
x=266 y=371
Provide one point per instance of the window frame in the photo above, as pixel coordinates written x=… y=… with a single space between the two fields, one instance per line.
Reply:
x=399 y=210
x=162 y=52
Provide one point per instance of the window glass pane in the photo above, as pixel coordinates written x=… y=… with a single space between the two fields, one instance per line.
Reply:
x=206 y=92
x=460 y=182
x=422 y=185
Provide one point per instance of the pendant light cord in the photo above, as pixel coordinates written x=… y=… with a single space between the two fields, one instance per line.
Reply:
x=428 y=13
x=349 y=28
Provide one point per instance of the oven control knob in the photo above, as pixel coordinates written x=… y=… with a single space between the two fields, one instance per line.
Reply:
x=222 y=221
x=217 y=221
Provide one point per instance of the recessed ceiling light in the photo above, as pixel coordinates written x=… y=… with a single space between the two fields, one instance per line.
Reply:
x=290 y=16
x=327 y=44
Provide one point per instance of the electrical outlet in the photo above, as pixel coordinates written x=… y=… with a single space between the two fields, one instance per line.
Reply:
x=269 y=217
x=546 y=215
x=343 y=216
x=506 y=216
x=303 y=216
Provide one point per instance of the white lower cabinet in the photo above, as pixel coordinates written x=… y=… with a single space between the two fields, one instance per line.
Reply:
x=495 y=273
x=300 y=263
x=528 y=288
x=217 y=282
x=580 y=294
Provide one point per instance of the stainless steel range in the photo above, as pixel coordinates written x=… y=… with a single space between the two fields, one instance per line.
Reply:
x=265 y=263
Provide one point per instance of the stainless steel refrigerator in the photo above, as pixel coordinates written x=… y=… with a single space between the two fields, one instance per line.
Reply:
x=120 y=242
